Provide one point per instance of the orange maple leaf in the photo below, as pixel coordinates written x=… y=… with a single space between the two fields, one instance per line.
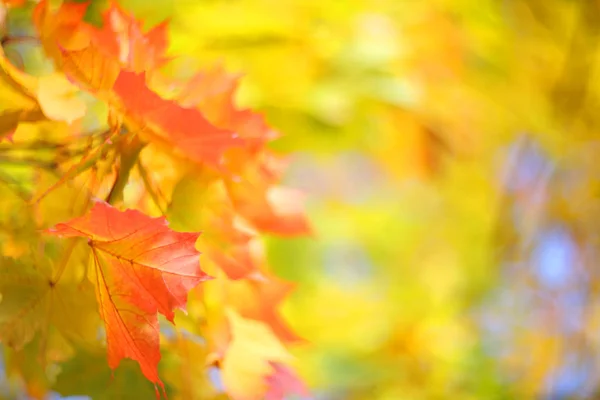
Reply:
x=259 y=298
x=200 y=200
x=230 y=247
x=14 y=3
x=203 y=123
x=186 y=129
x=213 y=91
x=142 y=267
x=122 y=37
x=228 y=244
x=269 y=208
x=62 y=29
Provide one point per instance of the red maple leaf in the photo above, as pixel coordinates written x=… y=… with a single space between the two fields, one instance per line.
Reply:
x=142 y=267
x=186 y=129
x=213 y=91
x=122 y=37
x=227 y=244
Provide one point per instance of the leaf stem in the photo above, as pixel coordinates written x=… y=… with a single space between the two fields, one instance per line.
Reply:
x=8 y=40
x=86 y=162
x=63 y=262
x=28 y=162
x=148 y=186
x=15 y=186
x=128 y=157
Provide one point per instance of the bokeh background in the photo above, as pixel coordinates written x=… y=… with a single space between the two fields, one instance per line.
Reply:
x=448 y=151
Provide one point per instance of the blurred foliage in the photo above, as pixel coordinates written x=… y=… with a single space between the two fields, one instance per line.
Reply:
x=415 y=126
x=447 y=149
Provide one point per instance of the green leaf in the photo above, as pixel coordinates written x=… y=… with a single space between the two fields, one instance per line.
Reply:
x=88 y=374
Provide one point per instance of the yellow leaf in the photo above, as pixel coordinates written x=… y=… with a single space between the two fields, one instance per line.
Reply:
x=16 y=79
x=246 y=362
x=33 y=301
x=58 y=98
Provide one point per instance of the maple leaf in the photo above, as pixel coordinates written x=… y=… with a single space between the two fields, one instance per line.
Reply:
x=122 y=37
x=47 y=311
x=198 y=202
x=51 y=95
x=90 y=70
x=166 y=121
x=142 y=267
x=282 y=382
x=14 y=3
x=259 y=297
x=9 y=121
x=88 y=374
x=163 y=122
x=187 y=371
x=213 y=92
x=32 y=300
x=32 y=374
x=269 y=208
x=68 y=40
x=57 y=99
x=17 y=102
x=248 y=359
x=61 y=29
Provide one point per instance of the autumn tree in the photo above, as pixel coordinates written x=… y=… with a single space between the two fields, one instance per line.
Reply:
x=110 y=167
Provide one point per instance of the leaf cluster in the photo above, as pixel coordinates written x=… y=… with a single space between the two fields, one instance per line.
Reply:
x=109 y=169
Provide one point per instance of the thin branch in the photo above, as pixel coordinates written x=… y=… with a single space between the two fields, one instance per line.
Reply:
x=84 y=164
x=11 y=40
x=572 y=86
x=15 y=186
x=64 y=261
x=31 y=162
x=148 y=186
